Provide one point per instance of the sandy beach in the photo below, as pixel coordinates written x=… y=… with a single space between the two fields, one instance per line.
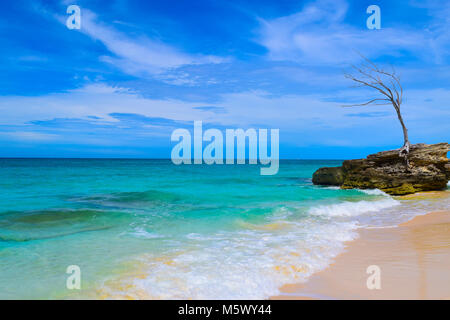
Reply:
x=413 y=259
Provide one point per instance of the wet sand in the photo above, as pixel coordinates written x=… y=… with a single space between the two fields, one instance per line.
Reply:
x=413 y=259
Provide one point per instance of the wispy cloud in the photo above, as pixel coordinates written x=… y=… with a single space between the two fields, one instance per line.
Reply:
x=139 y=55
x=438 y=31
x=139 y=119
x=31 y=136
x=368 y=114
x=98 y=114
x=319 y=35
x=213 y=109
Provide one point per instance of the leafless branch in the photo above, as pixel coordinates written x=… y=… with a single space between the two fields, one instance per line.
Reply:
x=370 y=102
x=387 y=84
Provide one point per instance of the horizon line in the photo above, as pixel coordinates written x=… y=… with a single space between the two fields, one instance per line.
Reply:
x=119 y=158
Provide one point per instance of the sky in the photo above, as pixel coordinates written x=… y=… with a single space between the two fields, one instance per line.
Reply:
x=137 y=70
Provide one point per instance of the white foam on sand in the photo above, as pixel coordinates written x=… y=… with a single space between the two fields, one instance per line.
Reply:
x=255 y=260
x=251 y=263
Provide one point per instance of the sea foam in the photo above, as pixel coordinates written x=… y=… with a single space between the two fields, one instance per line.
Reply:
x=254 y=261
x=247 y=264
x=374 y=192
x=349 y=208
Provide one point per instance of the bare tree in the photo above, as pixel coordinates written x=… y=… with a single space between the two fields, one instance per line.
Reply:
x=390 y=92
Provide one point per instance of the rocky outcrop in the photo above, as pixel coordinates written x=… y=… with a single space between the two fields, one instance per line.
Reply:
x=329 y=176
x=429 y=169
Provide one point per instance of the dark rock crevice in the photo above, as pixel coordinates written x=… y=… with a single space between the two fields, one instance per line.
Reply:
x=429 y=169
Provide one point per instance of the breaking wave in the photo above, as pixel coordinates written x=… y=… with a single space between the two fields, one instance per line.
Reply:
x=351 y=209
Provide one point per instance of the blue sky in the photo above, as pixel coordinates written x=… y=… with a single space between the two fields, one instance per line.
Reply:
x=137 y=70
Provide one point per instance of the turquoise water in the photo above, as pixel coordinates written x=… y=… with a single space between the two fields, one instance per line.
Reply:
x=148 y=228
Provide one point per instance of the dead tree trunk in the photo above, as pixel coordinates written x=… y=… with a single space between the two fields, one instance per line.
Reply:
x=391 y=92
x=403 y=151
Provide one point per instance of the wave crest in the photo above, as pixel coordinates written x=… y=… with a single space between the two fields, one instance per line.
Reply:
x=351 y=209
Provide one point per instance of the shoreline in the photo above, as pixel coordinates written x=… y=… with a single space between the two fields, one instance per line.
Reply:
x=413 y=260
x=338 y=280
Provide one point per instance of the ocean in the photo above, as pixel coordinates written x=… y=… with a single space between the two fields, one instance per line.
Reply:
x=151 y=229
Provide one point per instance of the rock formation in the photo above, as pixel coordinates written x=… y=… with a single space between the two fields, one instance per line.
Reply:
x=429 y=169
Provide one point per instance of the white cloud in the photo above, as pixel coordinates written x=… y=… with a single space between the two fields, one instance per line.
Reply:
x=313 y=119
x=318 y=34
x=29 y=136
x=438 y=31
x=91 y=100
x=138 y=55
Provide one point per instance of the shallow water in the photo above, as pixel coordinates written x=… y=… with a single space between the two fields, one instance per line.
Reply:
x=150 y=229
